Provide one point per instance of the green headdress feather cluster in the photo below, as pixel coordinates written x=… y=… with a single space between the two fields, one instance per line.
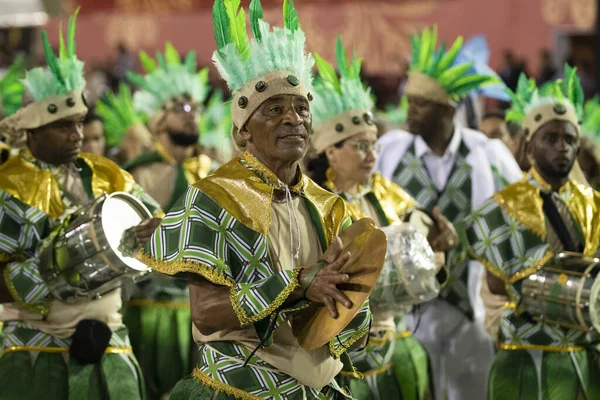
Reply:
x=528 y=96
x=395 y=114
x=11 y=88
x=591 y=118
x=240 y=59
x=456 y=79
x=64 y=73
x=215 y=124
x=333 y=95
x=118 y=114
x=167 y=78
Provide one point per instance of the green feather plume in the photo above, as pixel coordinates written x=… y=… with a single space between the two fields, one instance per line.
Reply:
x=256 y=13
x=290 y=16
x=527 y=96
x=333 y=95
x=591 y=119
x=221 y=24
x=433 y=61
x=118 y=114
x=167 y=78
x=11 y=87
x=237 y=27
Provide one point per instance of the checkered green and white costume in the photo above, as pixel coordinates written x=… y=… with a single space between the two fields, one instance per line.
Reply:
x=31 y=206
x=219 y=230
x=507 y=234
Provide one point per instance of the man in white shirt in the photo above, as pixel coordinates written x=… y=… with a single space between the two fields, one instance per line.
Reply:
x=442 y=163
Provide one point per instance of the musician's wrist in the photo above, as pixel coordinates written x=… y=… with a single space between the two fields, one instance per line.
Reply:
x=307 y=275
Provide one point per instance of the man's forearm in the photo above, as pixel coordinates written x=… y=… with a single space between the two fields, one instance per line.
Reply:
x=211 y=306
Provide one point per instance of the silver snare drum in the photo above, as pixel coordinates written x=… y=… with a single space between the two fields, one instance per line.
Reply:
x=85 y=258
x=409 y=274
x=565 y=292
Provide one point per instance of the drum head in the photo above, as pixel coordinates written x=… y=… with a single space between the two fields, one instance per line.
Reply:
x=595 y=303
x=120 y=212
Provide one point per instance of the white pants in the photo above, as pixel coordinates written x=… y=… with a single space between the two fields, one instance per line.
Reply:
x=460 y=352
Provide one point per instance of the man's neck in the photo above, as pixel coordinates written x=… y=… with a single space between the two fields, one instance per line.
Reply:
x=179 y=153
x=440 y=140
x=286 y=171
x=554 y=182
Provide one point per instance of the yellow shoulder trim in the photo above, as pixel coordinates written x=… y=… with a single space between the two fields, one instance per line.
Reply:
x=333 y=210
x=523 y=202
x=197 y=168
x=107 y=176
x=16 y=177
x=394 y=200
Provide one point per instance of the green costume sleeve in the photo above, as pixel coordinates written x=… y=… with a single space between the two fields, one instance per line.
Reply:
x=199 y=236
x=21 y=228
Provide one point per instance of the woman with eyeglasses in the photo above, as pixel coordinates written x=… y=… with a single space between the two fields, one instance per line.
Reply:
x=344 y=147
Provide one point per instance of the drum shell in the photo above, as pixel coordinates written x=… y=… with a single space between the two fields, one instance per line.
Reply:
x=409 y=274
x=561 y=293
x=80 y=263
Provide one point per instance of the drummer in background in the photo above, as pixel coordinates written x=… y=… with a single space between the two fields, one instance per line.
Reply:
x=520 y=229
x=344 y=138
x=158 y=314
x=441 y=163
x=50 y=347
x=252 y=233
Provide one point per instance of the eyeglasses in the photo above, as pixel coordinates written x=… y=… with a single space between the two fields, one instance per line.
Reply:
x=365 y=147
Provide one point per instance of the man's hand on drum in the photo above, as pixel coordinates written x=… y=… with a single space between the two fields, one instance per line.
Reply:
x=144 y=231
x=321 y=279
x=442 y=236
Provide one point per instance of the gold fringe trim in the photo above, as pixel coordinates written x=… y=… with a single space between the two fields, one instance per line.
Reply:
x=158 y=304
x=336 y=353
x=510 y=279
x=221 y=386
x=109 y=350
x=509 y=346
x=369 y=373
x=279 y=300
x=43 y=309
x=173 y=267
x=389 y=335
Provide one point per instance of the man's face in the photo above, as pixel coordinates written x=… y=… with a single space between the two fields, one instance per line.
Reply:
x=278 y=129
x=93 y=138
x=59 y=142
x=554 y=148
x=180 y=122
x=494 y=128
x=424 y=116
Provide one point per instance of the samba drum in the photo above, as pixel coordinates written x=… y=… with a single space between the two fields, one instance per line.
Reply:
x=565 y=292
x=409 y=273
x=93 y=252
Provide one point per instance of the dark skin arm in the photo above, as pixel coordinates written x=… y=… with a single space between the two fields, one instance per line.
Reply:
x=144 y=231
x=496 y=285
x=211 y=305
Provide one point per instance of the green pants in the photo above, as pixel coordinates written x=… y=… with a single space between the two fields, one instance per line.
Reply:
x=394 y=368
x=544 y=375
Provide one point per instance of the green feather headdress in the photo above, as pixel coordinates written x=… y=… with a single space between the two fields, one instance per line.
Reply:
x=11 y=88
x=333 y=95
x=532 y=106
x=64 y=73
x=168 y=78
x=57 y=91
x=591 y=118
x=434 y=73
x=118 y=114
x=215 y=124
x=395 y=114
x=342 y=106
x=272 y=63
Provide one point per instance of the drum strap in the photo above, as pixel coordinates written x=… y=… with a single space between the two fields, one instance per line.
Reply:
x=558 y=223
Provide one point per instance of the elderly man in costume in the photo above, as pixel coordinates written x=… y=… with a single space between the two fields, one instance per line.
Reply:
x=440 y=163
x=518 y=235
x=158 y=314
x=394 y=364
x=57 y=349
x=252 y=233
